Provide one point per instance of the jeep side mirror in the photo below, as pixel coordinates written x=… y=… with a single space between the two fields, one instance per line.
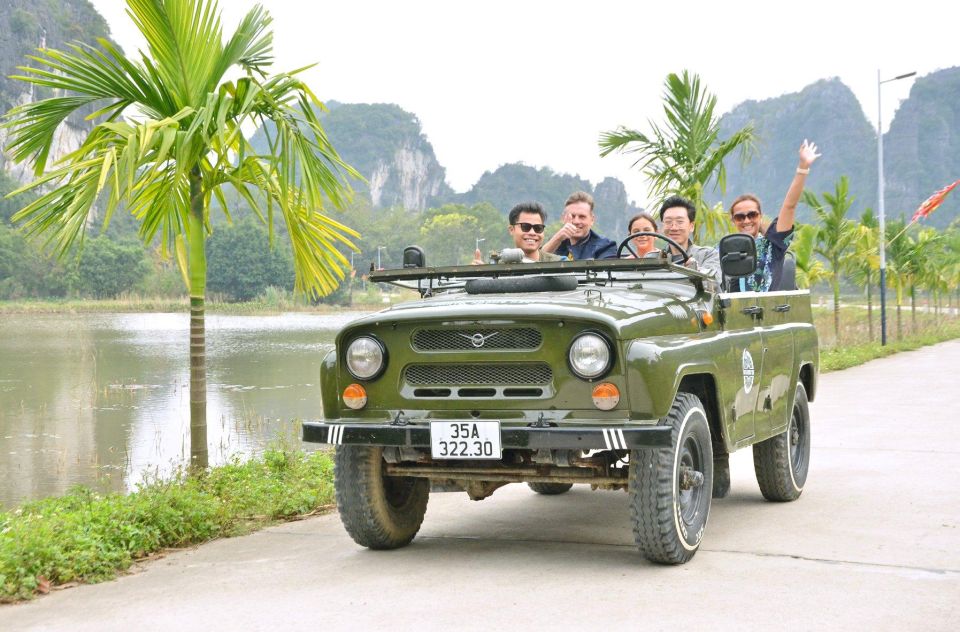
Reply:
x=413 y=257
x=738 y=255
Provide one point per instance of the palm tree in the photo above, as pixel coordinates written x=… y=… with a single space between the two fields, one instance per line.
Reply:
x=686 y=153
x=866 y=259
x=810 y=270
x=835 y=237
x=951 y=239
x=927 y=265
x=899 y=264
x=170 y=138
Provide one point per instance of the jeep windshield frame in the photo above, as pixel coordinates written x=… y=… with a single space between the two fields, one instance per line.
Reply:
x=590 y=271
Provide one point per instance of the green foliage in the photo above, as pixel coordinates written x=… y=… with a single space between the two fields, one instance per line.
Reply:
x=835 y=236
x=108 y=268
x=687 y=151
x=241 y=264
x=27 y=273
x=449 y=234
x=87 y=537
x=168 y=166
x=809 y=269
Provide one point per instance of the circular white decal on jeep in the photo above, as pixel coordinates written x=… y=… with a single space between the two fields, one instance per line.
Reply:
x=747 y=371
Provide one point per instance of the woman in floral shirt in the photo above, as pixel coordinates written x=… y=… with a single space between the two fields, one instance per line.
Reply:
x=772 y=243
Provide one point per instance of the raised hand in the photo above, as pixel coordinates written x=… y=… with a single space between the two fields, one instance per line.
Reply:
x=477 y=258
x=808 y=154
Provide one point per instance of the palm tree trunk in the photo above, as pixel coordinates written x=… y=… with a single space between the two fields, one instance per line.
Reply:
x=197 y=259
x=913 y=310
x=835 y=282
x=869 y=307
x=899 y=321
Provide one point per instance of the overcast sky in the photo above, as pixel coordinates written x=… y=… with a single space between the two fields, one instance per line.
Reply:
x=495 y=82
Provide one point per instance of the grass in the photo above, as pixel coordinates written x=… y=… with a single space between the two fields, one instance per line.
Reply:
x=855 y=345
x=264 y=305
x=87 y=537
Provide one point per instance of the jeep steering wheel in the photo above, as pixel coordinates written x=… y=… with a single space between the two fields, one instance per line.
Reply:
x=627 y=244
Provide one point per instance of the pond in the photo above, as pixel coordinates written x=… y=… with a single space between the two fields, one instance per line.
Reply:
x=103 y=399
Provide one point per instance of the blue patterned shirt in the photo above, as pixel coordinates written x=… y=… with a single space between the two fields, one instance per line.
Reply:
x=771 y=248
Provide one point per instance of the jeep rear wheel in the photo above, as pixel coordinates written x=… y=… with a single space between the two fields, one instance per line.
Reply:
x=670 y=488
x=550 y=489
x=378 y=511
x=782 y=462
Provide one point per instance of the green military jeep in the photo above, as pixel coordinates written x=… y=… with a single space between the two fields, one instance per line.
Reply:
x=633 y=374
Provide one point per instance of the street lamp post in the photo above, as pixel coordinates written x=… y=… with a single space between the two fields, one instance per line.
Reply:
x=882 y=216
x=379 y=248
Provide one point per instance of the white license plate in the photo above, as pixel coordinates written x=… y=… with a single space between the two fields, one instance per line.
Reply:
x=465 y=439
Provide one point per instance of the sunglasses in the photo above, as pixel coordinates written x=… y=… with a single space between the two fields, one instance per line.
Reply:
x=740 y=217
x=527 y=227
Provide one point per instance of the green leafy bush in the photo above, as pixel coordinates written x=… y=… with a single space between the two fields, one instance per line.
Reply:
x=88 y=537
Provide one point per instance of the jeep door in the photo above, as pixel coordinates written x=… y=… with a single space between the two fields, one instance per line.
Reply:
x=743 y=365
x=779 y=320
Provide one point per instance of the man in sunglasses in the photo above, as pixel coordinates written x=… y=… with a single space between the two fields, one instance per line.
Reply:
x=773 y=242
x=576 y=239
x=527 y=223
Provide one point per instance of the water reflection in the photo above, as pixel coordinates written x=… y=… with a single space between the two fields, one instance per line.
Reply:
x=103 y=399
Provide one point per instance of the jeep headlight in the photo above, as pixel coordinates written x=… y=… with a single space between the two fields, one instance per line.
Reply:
x=590 y=356
x=366 y=358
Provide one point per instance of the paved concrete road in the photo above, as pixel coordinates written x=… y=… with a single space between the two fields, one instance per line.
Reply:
x=873 y=544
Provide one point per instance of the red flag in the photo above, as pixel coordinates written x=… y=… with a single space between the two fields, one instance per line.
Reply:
x=931 y=203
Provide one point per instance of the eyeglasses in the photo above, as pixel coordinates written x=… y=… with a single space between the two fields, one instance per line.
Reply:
x=740 y=217
x=527 y=227
x=670 y=223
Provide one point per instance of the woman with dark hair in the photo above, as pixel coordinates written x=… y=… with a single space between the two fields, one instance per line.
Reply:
x=772 y=238
x=642 y=222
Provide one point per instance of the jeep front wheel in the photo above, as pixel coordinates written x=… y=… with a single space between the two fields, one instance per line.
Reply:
x=378 y=511
x=670 y=488
x=782 y=462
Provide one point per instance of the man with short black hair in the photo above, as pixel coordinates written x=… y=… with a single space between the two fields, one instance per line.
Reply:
x=527 y=223
x=677 y=217
x=576 y=239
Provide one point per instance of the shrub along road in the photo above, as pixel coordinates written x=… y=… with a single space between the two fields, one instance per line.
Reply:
x=873 y=543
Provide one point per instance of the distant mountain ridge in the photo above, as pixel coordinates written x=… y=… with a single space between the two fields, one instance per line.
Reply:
x=25 y=26
x=387 y=145
x=921 y=149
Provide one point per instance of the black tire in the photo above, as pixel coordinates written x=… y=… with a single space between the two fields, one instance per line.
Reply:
x=378 y=511
x=782 y=462
x=550 y=489
x=668 y=522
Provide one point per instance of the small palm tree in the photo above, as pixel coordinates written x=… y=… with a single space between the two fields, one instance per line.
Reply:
x=170 y=138
x=900 y=264
x=810 y=270
x=835 y=237
x=866 y=259
x=683 y=155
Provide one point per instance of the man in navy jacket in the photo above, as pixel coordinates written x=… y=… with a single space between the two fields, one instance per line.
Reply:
x=576 y=240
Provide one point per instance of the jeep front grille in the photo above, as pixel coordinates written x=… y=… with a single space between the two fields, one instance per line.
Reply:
x=514 y=339
x=528 y=373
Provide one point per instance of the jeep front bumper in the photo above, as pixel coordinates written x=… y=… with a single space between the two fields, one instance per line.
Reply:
x=417 y=435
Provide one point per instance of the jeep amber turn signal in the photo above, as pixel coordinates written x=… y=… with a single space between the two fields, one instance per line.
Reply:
x=355 y=396
x=606 y=396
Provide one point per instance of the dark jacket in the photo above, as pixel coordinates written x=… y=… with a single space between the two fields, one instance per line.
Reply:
x=593 y=246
